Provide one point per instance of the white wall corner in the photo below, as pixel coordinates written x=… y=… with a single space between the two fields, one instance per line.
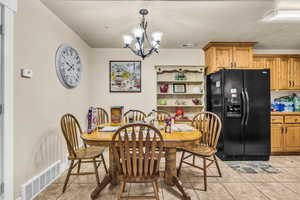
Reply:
x=11 y=4
x=8 y=100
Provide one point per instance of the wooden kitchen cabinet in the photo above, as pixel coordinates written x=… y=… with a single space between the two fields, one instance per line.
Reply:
x=285 y=134
x=294 y=73
x=284 y=69
x=268 y=62
x=277 y=139
x=228 y=55
x=292 y=138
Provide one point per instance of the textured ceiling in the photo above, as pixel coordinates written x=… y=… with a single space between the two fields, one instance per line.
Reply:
x=102 y=23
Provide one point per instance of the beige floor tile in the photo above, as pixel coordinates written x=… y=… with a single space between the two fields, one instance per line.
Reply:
x=229 y=176
x=52 y=192
x=295 y=187
x=144 y=189
x=244 y=191
x=215 y=191
x=171 y=193
x=259 y=177
x=276 y=191
x=285 y=175
x=78 y=192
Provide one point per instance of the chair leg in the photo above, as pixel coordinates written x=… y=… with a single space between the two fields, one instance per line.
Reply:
x=79 y=165
x=154 y=184
x=121 y=190
x=96 y=171
x=68 y=176
x=217 y=164
x=104 y=164
x=180 y=164
x=193 y=159
x=204 y=174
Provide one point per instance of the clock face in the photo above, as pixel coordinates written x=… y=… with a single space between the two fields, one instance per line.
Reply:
x=68 y=66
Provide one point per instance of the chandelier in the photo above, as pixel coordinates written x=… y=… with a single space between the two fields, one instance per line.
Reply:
x=142 y=40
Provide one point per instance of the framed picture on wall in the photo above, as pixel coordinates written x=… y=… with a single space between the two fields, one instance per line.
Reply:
x=125 y=76
x=179 y=88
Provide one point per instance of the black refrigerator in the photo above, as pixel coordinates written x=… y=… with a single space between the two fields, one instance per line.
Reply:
x=241 y=98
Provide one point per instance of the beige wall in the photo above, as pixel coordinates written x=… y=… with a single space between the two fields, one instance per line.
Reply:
x=41 y=100
x=145 y=100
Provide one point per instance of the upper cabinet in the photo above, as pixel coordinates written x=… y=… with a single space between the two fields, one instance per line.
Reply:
x=285 y=70
x=228 y=55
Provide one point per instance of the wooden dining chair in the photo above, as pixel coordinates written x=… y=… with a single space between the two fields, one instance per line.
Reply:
x=137 y=150
x=209 y=124
x=101 y=116
x=160 y=115
x=82 y=154
x=134 y=116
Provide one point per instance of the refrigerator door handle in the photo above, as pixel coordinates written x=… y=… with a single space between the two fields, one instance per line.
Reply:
x=244 y=107
x=247 y=105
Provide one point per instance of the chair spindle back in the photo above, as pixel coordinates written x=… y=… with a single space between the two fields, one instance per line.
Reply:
x=161 y=115
x=134 y=115
x=138 y=150
x=71 y=129
x=102 y=116
x=210 y=126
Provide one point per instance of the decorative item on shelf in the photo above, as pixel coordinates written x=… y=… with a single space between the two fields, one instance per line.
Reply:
x=116 y=114
x=125 y=76
x=164 y=88
x=180 y=102
x=162 y=102
x=180 y=76
x=142 y=39
x=179 y=115
x=196 y=90
x=196 y=101
x=179 y=88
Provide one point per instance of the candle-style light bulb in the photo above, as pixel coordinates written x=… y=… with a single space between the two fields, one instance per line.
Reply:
x=157 y=36
x=127 y=39
x=138 y=32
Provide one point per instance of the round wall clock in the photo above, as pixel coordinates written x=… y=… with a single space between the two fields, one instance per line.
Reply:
x=68 y=66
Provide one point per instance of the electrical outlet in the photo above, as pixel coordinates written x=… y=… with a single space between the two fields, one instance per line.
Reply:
x=26 y=73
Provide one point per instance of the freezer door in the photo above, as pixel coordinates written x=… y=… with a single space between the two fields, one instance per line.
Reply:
x=233 y=112
x=257 y=121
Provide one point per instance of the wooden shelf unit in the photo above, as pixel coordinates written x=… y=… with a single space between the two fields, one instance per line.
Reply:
x=195 y=77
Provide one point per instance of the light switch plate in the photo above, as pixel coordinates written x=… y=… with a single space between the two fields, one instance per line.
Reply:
x=26 y=73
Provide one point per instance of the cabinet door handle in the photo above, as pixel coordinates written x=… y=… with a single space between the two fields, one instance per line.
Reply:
x=293 y=83
x=289 y=83
x=286 y=130
x=282 y=129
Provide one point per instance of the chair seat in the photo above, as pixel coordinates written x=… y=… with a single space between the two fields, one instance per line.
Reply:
x=88 y=152
x=200 y=150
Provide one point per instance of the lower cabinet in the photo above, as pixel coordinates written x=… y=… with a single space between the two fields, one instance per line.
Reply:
x=277 y=139
x=285 y=135
x=292 y=138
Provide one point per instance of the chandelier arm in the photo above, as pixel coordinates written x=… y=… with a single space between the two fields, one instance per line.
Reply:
x=150 y=52
x=141 y=49
x=135 y=52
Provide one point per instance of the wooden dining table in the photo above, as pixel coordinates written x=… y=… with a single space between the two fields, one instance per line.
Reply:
x=172 y=141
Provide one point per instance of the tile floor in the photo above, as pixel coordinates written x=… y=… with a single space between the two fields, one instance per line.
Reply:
x=232 y=186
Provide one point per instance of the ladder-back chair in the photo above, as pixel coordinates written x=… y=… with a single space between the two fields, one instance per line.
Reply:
x=82 y=154
x=132 y=116
x=101 y=116
x=209 y=124
x=137 y=150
